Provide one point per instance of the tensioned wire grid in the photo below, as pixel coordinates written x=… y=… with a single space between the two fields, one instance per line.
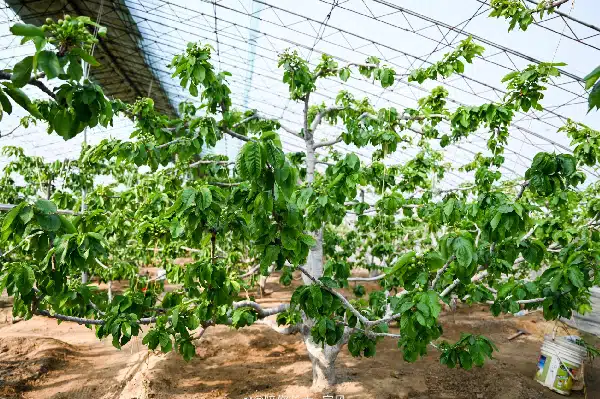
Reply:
x=248 y=35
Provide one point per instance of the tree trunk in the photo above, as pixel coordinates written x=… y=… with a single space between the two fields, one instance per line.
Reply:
x=110 y=296
x=322 y=359
x=314 y=261
x=262 y=282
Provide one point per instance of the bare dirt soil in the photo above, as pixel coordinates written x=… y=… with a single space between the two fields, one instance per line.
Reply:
x=40 y=359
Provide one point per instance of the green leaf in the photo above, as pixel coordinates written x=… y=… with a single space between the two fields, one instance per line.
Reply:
x=26 y=214
x=402 y=261
x=22 y=72
x=63 y=123
x=74 y=70
x=449 y=207
x=175 y=317
x=27 y=30
x=48 y=62
x=496 y=220
x=176 y=228
x=45 y=207
x=11 y=215
x=67 y=225
x=316 y=295
x=5 y=103
x=25 y=279
x=567 y=164
x=252 y=159
x=423 y=308
x=206 y=196
x=591 y=78
x=275 y=155
x=465 y=360
x=21 y=98
x=594 y=98
x=463 y=250
x=576 y=277
x=84 y=55
x=344 y=74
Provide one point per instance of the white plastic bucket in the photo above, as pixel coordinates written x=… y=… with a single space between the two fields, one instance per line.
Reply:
x=559 y=362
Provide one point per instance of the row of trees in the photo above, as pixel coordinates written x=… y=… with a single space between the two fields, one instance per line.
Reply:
x=530 y=243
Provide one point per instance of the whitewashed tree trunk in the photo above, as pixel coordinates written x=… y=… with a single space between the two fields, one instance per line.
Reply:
x=262 y=281
x=322 y=357
x=110 y=295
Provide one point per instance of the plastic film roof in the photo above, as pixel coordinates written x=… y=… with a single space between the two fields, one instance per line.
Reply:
x=248 y=35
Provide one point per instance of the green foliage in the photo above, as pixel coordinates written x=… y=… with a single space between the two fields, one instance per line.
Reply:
x=77 y=106
x=194 y=71
x=469 y=350
x=451 y=62
x=592 y=82
x=478 y=242
x=550 y=173
x=518 y=13
x=526 y=87
x=418 y=322
x=585 y=140
x=243 y=317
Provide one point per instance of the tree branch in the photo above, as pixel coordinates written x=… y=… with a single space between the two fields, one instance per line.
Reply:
x=287 y=330
x=342 y=298
x=236 y=135
x=78 y=320
x=258 y=116
x=523 y=301
x=320 y=116
x=250 y=272
x=375 y=278
x=262 y=312
x=208 y=162
x=524 y=185
x=327 y=143
x=441 y=271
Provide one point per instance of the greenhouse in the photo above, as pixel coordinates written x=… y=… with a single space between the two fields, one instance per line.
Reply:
x=299 y=199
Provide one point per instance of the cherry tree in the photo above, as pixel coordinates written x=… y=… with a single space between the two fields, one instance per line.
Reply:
x=530 y=243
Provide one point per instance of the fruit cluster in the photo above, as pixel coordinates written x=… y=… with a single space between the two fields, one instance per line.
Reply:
x=71 y=32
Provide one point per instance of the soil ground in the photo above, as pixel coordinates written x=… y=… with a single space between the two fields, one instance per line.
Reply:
x=40 y=359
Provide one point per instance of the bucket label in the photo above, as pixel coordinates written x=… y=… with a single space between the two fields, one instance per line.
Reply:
x=542 y=370
x=563 y=380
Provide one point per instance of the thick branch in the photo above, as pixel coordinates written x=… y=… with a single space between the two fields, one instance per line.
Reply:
x=262 y=312
x=375 y=278
x=236 y=135
x=441 y=271
x=285 y=330
x=327 y=143
x=320 y=116
x=250 y=272
x=524 y=301
x=78 y=320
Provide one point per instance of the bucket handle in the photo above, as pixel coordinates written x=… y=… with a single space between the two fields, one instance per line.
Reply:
x=566 y=368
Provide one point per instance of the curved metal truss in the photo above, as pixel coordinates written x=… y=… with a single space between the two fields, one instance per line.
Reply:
x=249 y=34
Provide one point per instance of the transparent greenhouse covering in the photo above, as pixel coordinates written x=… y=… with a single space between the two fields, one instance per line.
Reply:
x=248 y=35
